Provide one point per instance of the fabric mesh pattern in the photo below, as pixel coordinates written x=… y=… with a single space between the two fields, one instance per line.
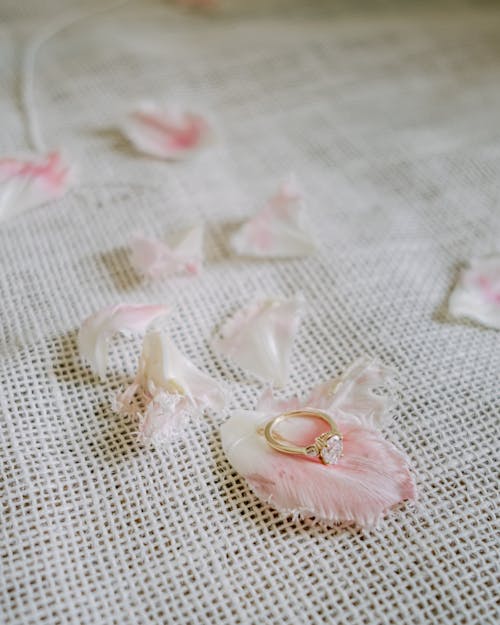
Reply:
x=390 y=121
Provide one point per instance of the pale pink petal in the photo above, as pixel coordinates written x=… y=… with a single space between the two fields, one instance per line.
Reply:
x=477 y=293
x=166 y=133
x=278 y=230
x=97 y=329
x=371 y=477
x=259 y=338
x=365 y=393
x=166 y=414
x=170 y=389
x=154 y=258
x=25 y=184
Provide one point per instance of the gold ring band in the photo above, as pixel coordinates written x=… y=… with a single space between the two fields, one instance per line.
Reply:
x=327 y=446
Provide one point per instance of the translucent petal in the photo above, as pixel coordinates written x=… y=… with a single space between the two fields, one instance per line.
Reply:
x=259 y=338
x=169 y=390
x=167 y=133
x=154 y=258
x=25 y=184
x=97 y=329
x=278 y=230
x=477 y=293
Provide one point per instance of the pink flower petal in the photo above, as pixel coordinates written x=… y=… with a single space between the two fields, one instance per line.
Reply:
x=276 y=231
x=25 y=184
x=154 y=258
x=371 y=477
x=165 y=133
x=97 y=329
x=259 y=338
x=477 y=293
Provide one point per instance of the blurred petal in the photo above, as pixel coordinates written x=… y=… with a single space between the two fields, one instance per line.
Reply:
x=165 y=133
x=154 y=258
x=259 y=338
x=278 y=230
x=97 y=329
x=26 y=184
x=371 y=477
x=477 y=293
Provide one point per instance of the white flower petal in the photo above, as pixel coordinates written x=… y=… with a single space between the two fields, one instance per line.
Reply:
x=163 y=366
x=477 y=293
x=259 y=338
x=278 y=230
x=169 y=391
x=97 y=329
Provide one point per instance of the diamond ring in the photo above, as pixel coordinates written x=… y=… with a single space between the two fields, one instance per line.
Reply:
x=327 y=447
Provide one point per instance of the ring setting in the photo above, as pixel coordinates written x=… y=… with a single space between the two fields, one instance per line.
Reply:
x=327 y=447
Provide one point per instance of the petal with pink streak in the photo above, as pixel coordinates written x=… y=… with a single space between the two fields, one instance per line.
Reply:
x=259 y=338
x=371 y=477
x=154 y=259
x=277 y=230
x=25 y=184
x=97 y=330
x=166 y=133
x=477 y=293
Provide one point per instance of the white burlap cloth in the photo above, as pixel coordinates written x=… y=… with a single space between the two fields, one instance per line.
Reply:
x=391 y=121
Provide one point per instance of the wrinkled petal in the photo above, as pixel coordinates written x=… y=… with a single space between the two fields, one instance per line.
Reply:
x=365 y=393
x=154 y=258
x=172 y=389
x=259 y=338
x=371 y=477
x=166 y=414
x=477 y=293
x=25 y=184
x=278 y=230
x=166 y=133
x=97 y=330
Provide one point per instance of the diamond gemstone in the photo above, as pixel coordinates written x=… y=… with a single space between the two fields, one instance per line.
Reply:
x=332 y=451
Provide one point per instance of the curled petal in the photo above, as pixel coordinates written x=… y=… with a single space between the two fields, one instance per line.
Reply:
x=154 y=258
x=365 y=393
x=165 y=416
x=26 y=184
x=97 y=329
x=371 y=477
x=278 y=230
x=477 y=293
x=165 y=133
x=169 y=390
x=259 y=338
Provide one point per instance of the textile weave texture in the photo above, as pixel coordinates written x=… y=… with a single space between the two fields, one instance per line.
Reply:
x=389 y=117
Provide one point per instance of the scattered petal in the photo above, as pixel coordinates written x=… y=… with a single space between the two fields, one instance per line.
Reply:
x=351 y=394
x=154 y=258
x=276 y=231
x=371 y=477
x=166 y=133
x=477 y=293
x=171 y=388
x=97 y=330
x=259 y=338
x=25 y=184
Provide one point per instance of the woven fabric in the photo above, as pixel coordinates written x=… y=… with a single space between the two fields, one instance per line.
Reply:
x=390 y=120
